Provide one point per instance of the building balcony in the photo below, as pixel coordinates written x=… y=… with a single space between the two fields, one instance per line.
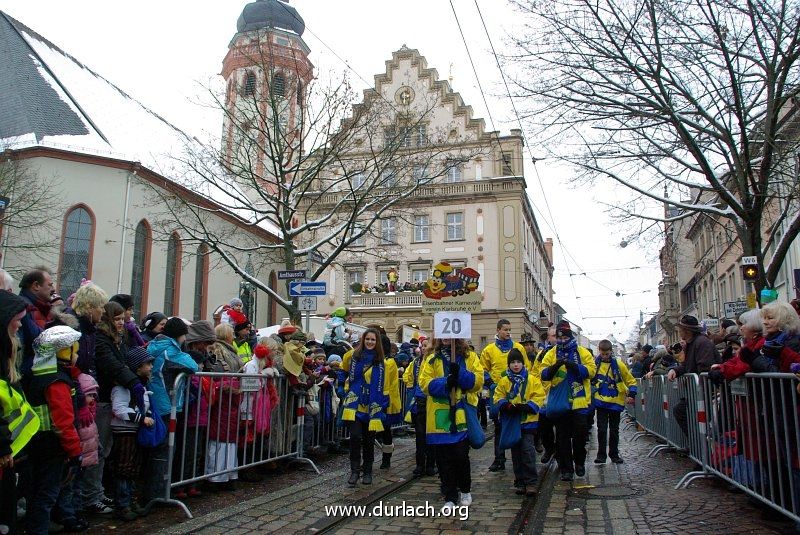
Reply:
x=399 y=299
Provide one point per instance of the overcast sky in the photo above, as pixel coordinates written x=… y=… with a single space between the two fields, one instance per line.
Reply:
x=164 y=52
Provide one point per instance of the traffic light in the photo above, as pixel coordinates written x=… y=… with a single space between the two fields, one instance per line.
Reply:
x=750 y=273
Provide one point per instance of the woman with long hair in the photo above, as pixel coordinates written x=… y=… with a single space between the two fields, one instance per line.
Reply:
x=18 y=422
x=365 y=402
x=450 y=381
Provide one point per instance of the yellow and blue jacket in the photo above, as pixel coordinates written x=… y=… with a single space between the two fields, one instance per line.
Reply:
x=433 y=382
x=391 y=389
x=533 y=396
x=612 y=383
x=581 y=389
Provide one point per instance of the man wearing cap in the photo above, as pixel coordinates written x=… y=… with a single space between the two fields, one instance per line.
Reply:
x=568 y=361
x=700 y=354
x=494 y=359
x=242 y=341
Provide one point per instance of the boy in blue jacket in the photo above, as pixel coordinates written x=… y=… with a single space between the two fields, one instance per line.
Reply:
x=613 y=386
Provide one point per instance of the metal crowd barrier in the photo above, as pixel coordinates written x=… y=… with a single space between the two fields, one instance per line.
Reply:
x=746 y=432
x=230 y=422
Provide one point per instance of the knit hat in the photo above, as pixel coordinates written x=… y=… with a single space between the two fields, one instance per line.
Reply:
x=340 y=312
x=123 y=299
x=261 y=351
x=690 y=323
x=515 y=355
x=564 y=329
x=405 y=346
x=175 y=328
x=235 y=302
x=526 y=338
x=414 y=342
x=647 y=348
x=287 y=329
x=201 y=331
x=137 y=356
x=298 y=335
x=151 y=320
x=242 y=326
x=334 y=358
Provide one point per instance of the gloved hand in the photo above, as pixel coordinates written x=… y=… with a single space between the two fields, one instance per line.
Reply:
x=525 y=408
x=746 y=355
x=73 y=469
x=452 y=381
x=137 y=393
x=553 y=369
x=85 y=417
x=571 y=367
x=771 y=351
x=454 y=368
x=716 y=377
x=508 y=408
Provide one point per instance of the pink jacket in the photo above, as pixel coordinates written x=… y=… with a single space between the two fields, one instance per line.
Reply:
x=90 y=437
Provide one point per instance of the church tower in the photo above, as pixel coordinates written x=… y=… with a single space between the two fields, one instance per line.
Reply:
x=266 y=72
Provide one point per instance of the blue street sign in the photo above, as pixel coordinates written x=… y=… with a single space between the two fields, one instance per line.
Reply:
x=298 y=288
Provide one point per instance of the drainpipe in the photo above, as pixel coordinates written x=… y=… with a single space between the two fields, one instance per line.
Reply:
x=131 y=174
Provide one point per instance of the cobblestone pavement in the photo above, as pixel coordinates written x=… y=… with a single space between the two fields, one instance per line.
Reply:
x=637 y=498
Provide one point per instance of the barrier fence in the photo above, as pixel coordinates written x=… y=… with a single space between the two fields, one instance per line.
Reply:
x=745 y=431
x=223 y=423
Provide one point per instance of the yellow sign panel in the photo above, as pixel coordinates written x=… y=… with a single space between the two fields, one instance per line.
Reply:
x=751 y=300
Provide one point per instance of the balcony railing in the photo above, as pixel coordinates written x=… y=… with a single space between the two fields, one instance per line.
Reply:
x=407 y=299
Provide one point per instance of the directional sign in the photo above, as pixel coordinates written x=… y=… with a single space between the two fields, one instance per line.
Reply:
x=749 y=260
x=307 y=303
x=292 y=275
x=4 y=202
x=300 y=288
x=316 y=257
x=452 y=325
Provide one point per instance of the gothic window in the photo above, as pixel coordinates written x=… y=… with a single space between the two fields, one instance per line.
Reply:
x=249 y=84
x=201 y=283
x=172 y=285
x=142 y=243
x=76 y=249
x=278 y=85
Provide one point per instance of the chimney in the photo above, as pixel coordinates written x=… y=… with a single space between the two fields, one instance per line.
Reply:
x=548 y=249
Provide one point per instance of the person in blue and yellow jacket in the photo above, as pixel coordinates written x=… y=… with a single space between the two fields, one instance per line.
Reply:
x=446 y=427
x=613 y=387
x=425 y=454
x=568 y=361
x=519 y=394
x=365 y=402
x=394 y=412
x=494 y=359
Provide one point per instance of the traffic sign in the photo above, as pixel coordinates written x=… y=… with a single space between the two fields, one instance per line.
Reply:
x=712 y=324
x=452 y=325
x=307 y=303
x=291 y=275
x=749 y=260
x=750 y=272
x=300 y=288
x=316 y=257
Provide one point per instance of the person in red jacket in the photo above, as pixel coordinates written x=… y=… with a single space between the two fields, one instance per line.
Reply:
x=55 y=452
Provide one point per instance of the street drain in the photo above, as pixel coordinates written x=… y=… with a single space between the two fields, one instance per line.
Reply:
x=607 y=492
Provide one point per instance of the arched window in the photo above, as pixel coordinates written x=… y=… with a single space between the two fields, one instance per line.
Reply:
x=201 y=283
x=278 y=85
x=273 y=304
x=300 y=95
x=249 y=84
x=142 y=244
x=172 y=286
x=77 y=240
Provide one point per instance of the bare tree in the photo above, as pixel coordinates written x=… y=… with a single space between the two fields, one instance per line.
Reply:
x=319 y=175
x=29 y=228
x=689 y=104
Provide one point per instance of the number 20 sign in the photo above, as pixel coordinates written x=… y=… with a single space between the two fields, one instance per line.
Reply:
x=452 y=325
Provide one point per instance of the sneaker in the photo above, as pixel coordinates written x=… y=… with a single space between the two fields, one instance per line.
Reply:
x=448 y=508
x=617 y=460
x=98 y=508
x=107 y=501
x=497 y=466
x=580 y=470
x=125 y=514
x=466 y=499
x=194 y=492
x=600 y=460
x=138 y=509
x=179 y=494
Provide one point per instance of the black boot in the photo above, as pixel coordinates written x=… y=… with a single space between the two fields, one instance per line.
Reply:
x=366 y=476
x=354 y=473
x=386 y=461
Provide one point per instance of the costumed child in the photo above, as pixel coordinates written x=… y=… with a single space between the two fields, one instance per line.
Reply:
x=365 y=402
x=126 y=454
x=425 y=453
x=337 y=335
x=446 y=427
x=55 y=451
x=614 y=386
x=517 y=398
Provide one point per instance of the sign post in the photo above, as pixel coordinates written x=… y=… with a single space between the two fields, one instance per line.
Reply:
x=293 y=274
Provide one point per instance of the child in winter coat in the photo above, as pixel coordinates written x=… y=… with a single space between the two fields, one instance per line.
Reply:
x=519 y=395
x=55 y=451
x=125 y=451
x=87 y=428
x=613 y=387
x=223 y=433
